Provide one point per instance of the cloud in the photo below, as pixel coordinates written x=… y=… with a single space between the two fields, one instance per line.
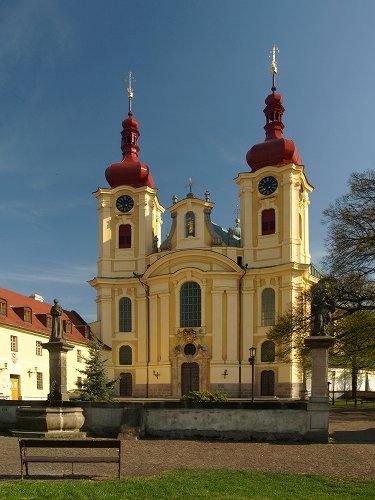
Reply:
x=71 y=274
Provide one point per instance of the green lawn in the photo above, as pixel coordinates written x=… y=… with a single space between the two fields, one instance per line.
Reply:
x=191 y=484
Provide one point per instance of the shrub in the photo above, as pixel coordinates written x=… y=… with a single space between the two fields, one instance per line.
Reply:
x=204 y=397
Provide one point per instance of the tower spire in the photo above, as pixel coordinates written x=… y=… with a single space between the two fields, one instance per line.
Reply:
x=130 y=91
x=275 y=50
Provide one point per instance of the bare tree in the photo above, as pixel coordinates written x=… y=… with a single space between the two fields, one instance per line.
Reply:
x=351 y=228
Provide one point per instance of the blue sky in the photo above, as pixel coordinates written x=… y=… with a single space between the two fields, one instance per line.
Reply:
x=202 y=74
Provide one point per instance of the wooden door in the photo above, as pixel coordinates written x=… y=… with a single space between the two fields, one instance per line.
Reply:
x=126 y=385
x=267 y=383
x=15 y=386
x=189 y=378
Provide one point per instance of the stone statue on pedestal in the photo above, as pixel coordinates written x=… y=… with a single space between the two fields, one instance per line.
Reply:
x=57 y=332
x=322 y=307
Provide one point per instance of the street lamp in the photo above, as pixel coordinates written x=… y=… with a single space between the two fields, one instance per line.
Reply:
x=253 y=351
x=333 y=387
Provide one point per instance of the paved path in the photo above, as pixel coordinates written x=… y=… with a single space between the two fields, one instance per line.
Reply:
x=351 y=454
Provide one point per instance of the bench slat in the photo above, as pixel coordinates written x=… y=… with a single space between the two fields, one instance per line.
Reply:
x=72 y=459
x=71 y=443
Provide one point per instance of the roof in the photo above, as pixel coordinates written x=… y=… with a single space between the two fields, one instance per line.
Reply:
x=40 y=310
x=230 y=239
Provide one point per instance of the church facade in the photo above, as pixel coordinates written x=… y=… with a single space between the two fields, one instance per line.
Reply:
x=181 y=314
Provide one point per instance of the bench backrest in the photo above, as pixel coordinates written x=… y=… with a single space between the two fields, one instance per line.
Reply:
x=71 y=443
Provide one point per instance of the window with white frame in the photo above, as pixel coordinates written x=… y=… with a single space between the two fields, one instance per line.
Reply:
x=14 y=343
x=38 y=348
x=39 y=380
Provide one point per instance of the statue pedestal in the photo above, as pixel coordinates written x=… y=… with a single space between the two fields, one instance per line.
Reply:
x=57 y=370
x=318 y=407
x=319 y=377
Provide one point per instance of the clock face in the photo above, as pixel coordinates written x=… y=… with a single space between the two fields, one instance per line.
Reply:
x=124 y=203
x=267 y=185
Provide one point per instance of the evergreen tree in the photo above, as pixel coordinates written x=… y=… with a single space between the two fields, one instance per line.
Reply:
x=95 y=385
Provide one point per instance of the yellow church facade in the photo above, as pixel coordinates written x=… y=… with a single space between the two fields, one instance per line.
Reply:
x=181 y=314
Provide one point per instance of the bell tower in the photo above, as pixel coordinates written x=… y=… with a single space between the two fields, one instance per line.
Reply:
x=274 y=196
x=129 y=234
x=129 y=211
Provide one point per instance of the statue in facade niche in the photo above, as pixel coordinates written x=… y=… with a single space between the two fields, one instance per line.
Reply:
x=57 y=332
x=322 y=307
x=190 y=227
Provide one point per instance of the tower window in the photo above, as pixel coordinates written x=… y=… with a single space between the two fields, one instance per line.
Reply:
x=190 y=304
x=268 y=221
x=125 y=236
x=268 y=307
x=125 y=315
x=125 y=355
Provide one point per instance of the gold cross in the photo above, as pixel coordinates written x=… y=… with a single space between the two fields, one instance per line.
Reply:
x=275 y=50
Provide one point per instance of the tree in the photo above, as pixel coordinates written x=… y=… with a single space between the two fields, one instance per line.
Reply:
x=351 y=228
x=290 y=331
x=354 y=346
x=96 y=386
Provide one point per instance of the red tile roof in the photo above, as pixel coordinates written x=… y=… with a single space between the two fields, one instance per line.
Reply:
x=15 y=301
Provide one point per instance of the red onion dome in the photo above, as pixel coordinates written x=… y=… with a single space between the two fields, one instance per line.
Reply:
x=130 y=171
x=275 y=150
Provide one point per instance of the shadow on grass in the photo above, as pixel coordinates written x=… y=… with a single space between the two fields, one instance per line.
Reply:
x=48 y=477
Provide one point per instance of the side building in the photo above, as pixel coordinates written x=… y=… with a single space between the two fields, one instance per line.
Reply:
x=25 y=324
x=181 y=314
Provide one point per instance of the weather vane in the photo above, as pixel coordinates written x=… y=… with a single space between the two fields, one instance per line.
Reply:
x=275 y=50
x=130 y=90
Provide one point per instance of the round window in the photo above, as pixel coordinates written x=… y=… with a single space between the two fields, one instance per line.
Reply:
x=190 y=349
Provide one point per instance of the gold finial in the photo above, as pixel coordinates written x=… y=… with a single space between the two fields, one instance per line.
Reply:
x=190 y=184
x=130 y=90
x=275 y=50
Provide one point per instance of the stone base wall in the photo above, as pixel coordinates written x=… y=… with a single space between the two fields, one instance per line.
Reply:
x=261 y=420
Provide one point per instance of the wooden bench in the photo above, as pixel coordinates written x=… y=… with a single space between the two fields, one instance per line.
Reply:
x=367 y=399
x=78 y=444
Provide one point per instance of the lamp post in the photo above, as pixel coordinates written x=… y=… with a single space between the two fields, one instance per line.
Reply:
x=253 y=351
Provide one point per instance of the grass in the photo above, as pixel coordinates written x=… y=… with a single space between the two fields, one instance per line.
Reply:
x=191 y=484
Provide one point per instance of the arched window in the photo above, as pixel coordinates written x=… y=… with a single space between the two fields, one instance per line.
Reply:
x=190 y=304
x=267 y=354
x=125 y=355
x=125 y=236
x=268 y=307
x=125 y=315
x=268 y=221
x=189 y=224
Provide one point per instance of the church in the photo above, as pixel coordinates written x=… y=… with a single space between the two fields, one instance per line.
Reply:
x=181 y=314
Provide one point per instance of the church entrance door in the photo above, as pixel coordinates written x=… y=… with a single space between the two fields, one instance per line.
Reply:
x=126 y=385
x=267 y=383
x=189 y=378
